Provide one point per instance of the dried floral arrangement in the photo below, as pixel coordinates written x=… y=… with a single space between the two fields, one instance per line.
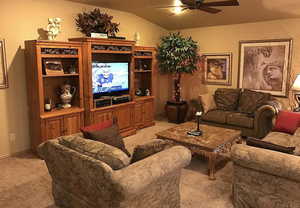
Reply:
x=96 y=22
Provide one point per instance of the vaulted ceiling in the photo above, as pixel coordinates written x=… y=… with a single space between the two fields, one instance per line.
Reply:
x=248 y=11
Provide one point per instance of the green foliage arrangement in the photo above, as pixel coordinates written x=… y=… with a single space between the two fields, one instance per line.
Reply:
x=176 y=55
x=96 y=22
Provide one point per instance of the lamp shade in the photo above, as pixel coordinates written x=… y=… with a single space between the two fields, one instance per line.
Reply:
x=296 y=85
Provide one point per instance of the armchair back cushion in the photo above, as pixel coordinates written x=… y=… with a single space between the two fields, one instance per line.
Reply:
x=227 y=99
x=252 y=100
x=111 y=136
x=142 y=151
x=110 y=155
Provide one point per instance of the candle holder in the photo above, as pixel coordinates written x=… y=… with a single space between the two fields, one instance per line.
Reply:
x=197 y=132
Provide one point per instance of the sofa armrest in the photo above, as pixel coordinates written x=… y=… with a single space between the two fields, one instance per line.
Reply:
x=263 y=119
x=138 y=176
x=267 y=161
x=297 y=132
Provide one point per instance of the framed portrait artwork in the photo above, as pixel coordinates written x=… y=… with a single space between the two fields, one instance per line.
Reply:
x=264 y=65
x=217 y=68
x=3 y=66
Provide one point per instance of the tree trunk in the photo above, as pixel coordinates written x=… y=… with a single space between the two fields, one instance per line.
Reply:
x=177 y=89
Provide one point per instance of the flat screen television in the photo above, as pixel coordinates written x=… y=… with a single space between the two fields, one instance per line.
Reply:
x=110 y=78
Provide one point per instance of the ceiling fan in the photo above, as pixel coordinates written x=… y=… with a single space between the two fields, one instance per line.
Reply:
x=206 y=6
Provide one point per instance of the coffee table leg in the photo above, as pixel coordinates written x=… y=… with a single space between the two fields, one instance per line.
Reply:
x=212 y=157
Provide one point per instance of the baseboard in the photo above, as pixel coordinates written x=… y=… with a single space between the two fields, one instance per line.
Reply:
x=15 y=154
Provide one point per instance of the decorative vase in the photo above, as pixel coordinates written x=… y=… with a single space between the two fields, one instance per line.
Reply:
x=67 y=93
x=176 y=111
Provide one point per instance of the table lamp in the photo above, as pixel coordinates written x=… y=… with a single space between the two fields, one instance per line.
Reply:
x=296 y=89
x=197 y=132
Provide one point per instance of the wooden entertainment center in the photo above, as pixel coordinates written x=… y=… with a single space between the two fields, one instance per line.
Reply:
x=133 y=110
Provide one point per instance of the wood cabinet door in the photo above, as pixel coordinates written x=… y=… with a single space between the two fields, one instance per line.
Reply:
x=148 y=111
x=138 y=114
x=53 y=128
x=100 y=116
x=72 y=124
x=125 y=116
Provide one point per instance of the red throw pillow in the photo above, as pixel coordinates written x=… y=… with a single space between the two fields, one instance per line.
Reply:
x=287 y=122
x=95 y=127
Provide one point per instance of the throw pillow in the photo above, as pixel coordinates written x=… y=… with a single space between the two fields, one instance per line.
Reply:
x=95 y=127
x=110 y=136
x=140 y=152
x=287 y=122
x=208 y=102
x=267 y=145
x=227 y=99
x=251 y=100
x=112 y=156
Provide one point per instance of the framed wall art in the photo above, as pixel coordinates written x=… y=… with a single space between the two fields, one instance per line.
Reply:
x=3 y=66
x=53 y=67
x=264 y=65
x=217 y=68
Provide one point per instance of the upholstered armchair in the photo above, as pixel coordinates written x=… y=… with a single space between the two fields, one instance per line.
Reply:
x=265 y=178
x=82 y=181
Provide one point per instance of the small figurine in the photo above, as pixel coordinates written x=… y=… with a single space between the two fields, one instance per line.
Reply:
x=53 y=28
x=147 y=92
x=138 y=92
x=67 y=93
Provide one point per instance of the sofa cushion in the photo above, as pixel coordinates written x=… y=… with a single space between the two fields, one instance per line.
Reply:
x=240 y=119
x=110 y=155
x=110 y=136
x=227 y=99
x=269 y=145
x=142 y=151
x=207 y=101
x=251 y=100
x=287 y=122
x=217 y=116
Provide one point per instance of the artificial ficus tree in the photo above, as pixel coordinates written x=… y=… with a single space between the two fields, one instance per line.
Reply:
x=176 y=55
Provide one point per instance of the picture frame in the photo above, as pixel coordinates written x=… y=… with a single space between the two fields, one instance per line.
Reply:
x=3 y=66
x=53 y=67
x=264 y=65
x=217 y=68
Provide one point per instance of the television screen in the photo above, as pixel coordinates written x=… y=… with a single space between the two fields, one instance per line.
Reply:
x=109 y=77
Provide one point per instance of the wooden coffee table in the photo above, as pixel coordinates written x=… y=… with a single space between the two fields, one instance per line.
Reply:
x=214 y=140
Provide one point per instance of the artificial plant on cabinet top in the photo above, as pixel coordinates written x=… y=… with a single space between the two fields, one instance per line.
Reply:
x=96 y=22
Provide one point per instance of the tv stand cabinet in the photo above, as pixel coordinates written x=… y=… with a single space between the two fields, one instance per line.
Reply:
x=139 y=112
x=76 y=58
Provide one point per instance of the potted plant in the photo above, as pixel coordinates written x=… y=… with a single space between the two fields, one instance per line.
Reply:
x=177 y=55
x=96 y=22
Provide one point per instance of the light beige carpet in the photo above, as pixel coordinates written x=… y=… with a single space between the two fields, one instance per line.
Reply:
x=25 y=182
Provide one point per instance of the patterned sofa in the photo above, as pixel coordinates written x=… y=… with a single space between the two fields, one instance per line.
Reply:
x=246 y=110
x=265 y=178
x=81 y=178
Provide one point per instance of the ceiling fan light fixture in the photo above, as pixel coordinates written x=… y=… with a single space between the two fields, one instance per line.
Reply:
x=177 y=10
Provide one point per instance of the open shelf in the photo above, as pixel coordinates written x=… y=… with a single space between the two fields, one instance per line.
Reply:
x=139 y=98
x=142 y=71
x=143 y=57
x=59 y=112
x=58 y=56
x=61 y=75
x=108 y=51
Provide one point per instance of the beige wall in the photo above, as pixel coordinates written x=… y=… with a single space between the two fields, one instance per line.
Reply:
x=226 y=39
x=20 y=20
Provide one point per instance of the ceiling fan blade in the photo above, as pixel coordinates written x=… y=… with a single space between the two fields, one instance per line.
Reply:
x=222 y=3
x=209 y=9
x=188 y=2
